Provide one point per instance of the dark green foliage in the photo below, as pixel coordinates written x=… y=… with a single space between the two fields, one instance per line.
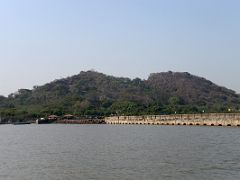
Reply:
x=95 y=94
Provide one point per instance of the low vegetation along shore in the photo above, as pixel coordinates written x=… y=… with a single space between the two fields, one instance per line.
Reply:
x=93 y=94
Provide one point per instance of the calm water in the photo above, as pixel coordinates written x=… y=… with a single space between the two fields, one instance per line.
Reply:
x=69 y=152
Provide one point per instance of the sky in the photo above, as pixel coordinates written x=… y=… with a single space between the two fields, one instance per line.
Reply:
x=44 y=40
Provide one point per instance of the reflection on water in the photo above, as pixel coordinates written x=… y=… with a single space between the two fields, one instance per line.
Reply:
x=69 y=152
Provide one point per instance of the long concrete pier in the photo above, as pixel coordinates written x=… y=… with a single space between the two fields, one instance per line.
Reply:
x=212 y=119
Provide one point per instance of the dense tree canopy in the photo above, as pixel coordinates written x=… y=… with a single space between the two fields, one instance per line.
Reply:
x=96 y=94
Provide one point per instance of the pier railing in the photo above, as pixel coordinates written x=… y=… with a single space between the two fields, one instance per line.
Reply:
x=204 y=119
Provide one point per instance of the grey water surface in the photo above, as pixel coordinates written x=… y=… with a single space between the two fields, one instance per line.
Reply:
x=118 y=152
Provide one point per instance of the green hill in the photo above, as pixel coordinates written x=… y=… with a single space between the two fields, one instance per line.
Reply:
x=97 y=94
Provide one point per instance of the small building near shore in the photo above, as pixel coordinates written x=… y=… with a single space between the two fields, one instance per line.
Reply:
x=52 y=117
x=68 y=116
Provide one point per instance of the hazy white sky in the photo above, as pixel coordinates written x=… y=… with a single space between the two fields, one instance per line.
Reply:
x=43 y=40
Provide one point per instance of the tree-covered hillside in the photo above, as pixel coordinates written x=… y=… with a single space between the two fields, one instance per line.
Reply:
x=96 y=94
